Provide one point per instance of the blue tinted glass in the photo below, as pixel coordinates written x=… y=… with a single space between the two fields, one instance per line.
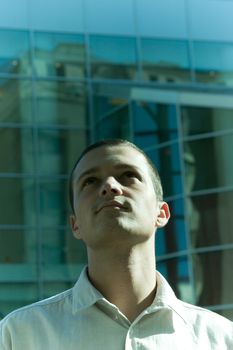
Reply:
x=115 y=125
x=199 y=120
x=61 y=102
x=167 y=161
x=172 y=237
x=153 y=123
x=59 y=149
x=165 y=60
x=104 y=105
x=14 y=52
x=213 y=62
x=12 y=139
x=59 y=55
x=18 y=196
x=53 y=208
x=205 y=165
x=176 y=271
x=15 y=101
x=113 y=57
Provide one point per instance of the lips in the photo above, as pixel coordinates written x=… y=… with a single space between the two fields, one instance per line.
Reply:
x=112 y=203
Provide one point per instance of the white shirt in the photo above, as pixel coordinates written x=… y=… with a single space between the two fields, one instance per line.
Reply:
x=82 y=319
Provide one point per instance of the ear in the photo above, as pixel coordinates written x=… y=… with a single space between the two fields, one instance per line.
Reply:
x=74 y=227
x=163 y=216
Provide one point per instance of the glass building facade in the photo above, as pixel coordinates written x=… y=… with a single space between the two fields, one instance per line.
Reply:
x=85 y=74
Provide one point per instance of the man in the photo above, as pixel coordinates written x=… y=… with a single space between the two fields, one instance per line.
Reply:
x=119 y=302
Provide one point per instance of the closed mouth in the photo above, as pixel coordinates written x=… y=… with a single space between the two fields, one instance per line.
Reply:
x=111 y=204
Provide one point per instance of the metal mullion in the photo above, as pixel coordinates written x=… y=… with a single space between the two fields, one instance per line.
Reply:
x=36 y=167
x=192 y=251
x=187 y=235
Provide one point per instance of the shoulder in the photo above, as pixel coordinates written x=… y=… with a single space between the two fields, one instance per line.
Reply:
x=207 y=322
x=39 y=309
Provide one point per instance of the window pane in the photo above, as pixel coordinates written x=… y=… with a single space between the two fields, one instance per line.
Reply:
x=61 y=55
x=176 y=271
x=59 y=149
x=51 y=288
x=16 y=150
x=14 y=295
x=228 y=313
x=210 y=219
x=23 y=250
x=213 y=276
x=18 y=198
x=15 y=101
x=165 y=60
x=113 y=57
x=54 y=206
x=207 y=164
x=60 y=246
x=104 y=105
x=213 y=62
x=61 y=103
x=198 y=120
x=167 y=161
x=154 y=123
x=115 y=125
x=14 y=52
x=172 y=237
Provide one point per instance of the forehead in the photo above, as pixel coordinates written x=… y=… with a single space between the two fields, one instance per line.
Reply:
x=106 y=156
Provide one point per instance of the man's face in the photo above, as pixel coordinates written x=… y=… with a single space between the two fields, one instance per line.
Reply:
x=114 y=198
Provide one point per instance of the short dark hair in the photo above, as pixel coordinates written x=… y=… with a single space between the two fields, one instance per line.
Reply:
x=118 y=142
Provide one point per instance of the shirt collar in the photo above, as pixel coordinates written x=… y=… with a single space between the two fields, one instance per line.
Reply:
x=165 y=297
x=85 y=295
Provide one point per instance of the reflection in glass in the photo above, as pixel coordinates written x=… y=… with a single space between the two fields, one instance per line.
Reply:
x=213 y=275
x=16 y=150
x=61 y=55
x=198 y=120
x=113 y=57
x=23 y=250
x=213 y=62
x=210 y=221
x=51 y=287
x=153 y=123
x=54 y=206
x=15 y=101
x=165 y=61
x=14 y=52
x=176 y=271
x=207 y=164
x=115 y=125
x=167 y=161
x=228 y=313
x=104 y=105
x=59 y=149
x=18 y=198
x=172 y=237
x=17 y=294
x=61 y=103
x=60 y=247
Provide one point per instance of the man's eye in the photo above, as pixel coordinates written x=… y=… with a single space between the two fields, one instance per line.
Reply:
x=88 y=181
x=131 y=174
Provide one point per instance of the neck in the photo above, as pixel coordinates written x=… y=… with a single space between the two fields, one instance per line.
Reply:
x=126 y=277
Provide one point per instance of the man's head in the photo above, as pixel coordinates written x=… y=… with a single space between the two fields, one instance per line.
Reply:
x=116 y=196
x=118 y=142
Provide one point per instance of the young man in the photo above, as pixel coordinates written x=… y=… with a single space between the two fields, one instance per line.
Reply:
x=119 y=301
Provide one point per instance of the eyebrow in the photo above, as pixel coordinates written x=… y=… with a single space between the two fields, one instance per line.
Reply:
x=97 y=169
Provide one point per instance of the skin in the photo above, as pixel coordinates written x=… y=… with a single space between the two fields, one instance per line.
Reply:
x=116 y=214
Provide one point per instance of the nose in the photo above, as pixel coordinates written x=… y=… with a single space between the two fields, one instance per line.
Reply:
x=110 y=186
